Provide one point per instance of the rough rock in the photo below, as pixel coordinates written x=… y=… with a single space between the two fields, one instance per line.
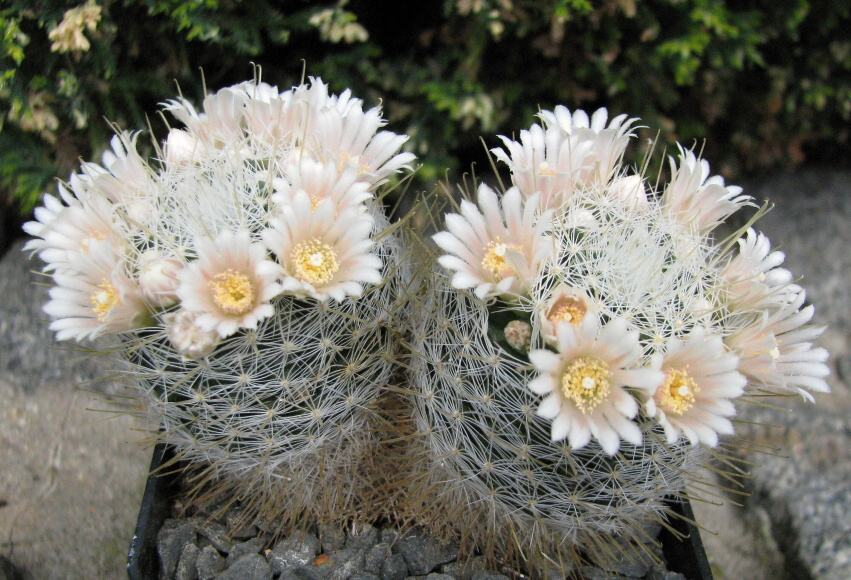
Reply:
x=333 y=537
x=237 y=528
x=298 y=549
x=594 y=573
x=375 y=557
x=173 y=536
x=338 y=565
x=209 y=563
x=422 y=553
x=438 y=576
x=465 y=570
x=248 y=567
x=252 y=546
x=631 y=563
x=366 y=576
x=362 y=536
x=485 y=575
x=664 y=575
x=394 y=568
x=390 y=536
x=216 y=534
x=807 y=496
x=186 y=565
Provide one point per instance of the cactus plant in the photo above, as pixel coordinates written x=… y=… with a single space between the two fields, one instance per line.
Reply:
x=250 y=281
x=583 y=348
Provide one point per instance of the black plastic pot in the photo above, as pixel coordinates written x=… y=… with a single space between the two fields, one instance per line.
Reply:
x=685 y=556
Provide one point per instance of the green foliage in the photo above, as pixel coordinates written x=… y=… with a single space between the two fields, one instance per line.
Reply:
x=767 y=83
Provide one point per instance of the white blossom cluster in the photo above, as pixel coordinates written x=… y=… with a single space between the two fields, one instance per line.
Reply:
x=592 y=332
x=248 y=273
x=262 y=194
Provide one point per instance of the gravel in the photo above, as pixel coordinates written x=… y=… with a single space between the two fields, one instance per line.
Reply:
x=203 y=549
x=423 y=554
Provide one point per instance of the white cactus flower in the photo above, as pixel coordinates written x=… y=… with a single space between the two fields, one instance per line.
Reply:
x=754 y=278
x=701 y=381
x=323 y=252
x=353 y=140
x=231 y=284
x=94 y=296
x=585 y=382
x=495 y=249
x=777 y=352
x=320 y=181
x=566 y=305
x=697 y=200
x=64 y=231
x=608 y=138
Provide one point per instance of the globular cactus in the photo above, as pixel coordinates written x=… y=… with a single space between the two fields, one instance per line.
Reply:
x=252 y=283
x=582 y=350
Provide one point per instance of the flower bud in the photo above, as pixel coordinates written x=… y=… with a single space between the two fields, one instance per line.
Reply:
x=629 y=191
x=180 y=147
x=158 y=277
x=187 y=337
x=518 y=335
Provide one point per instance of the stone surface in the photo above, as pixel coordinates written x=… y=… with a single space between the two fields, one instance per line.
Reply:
x=216 y=534
x=172 y=538
x=247 y=567
x=252 y=546
x=485 y=575
x=375 y=557
x=362 y=536
x=237 y=529
x=394 y=568
x=332 y=537
x=209 y=563
x=186 y=564
x=298 y=549
x=467 y=569
x=423 y=554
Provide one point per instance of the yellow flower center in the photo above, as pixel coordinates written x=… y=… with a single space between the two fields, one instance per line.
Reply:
x=544 y=170
x=314 y=262
x=494 y=261
x=585 y=381
x=233 y=292
x=103 y=300
x=568 y=309
x=677 y=392
x=93 y=236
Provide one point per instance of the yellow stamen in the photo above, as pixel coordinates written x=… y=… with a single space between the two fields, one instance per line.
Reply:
x=93 y=236
x=104 y=299
x=494 y=261
x=233 y=292
x=585 y=381
x=570 y=309
x=314 y=261
x=677 y=393
x=544 y=170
